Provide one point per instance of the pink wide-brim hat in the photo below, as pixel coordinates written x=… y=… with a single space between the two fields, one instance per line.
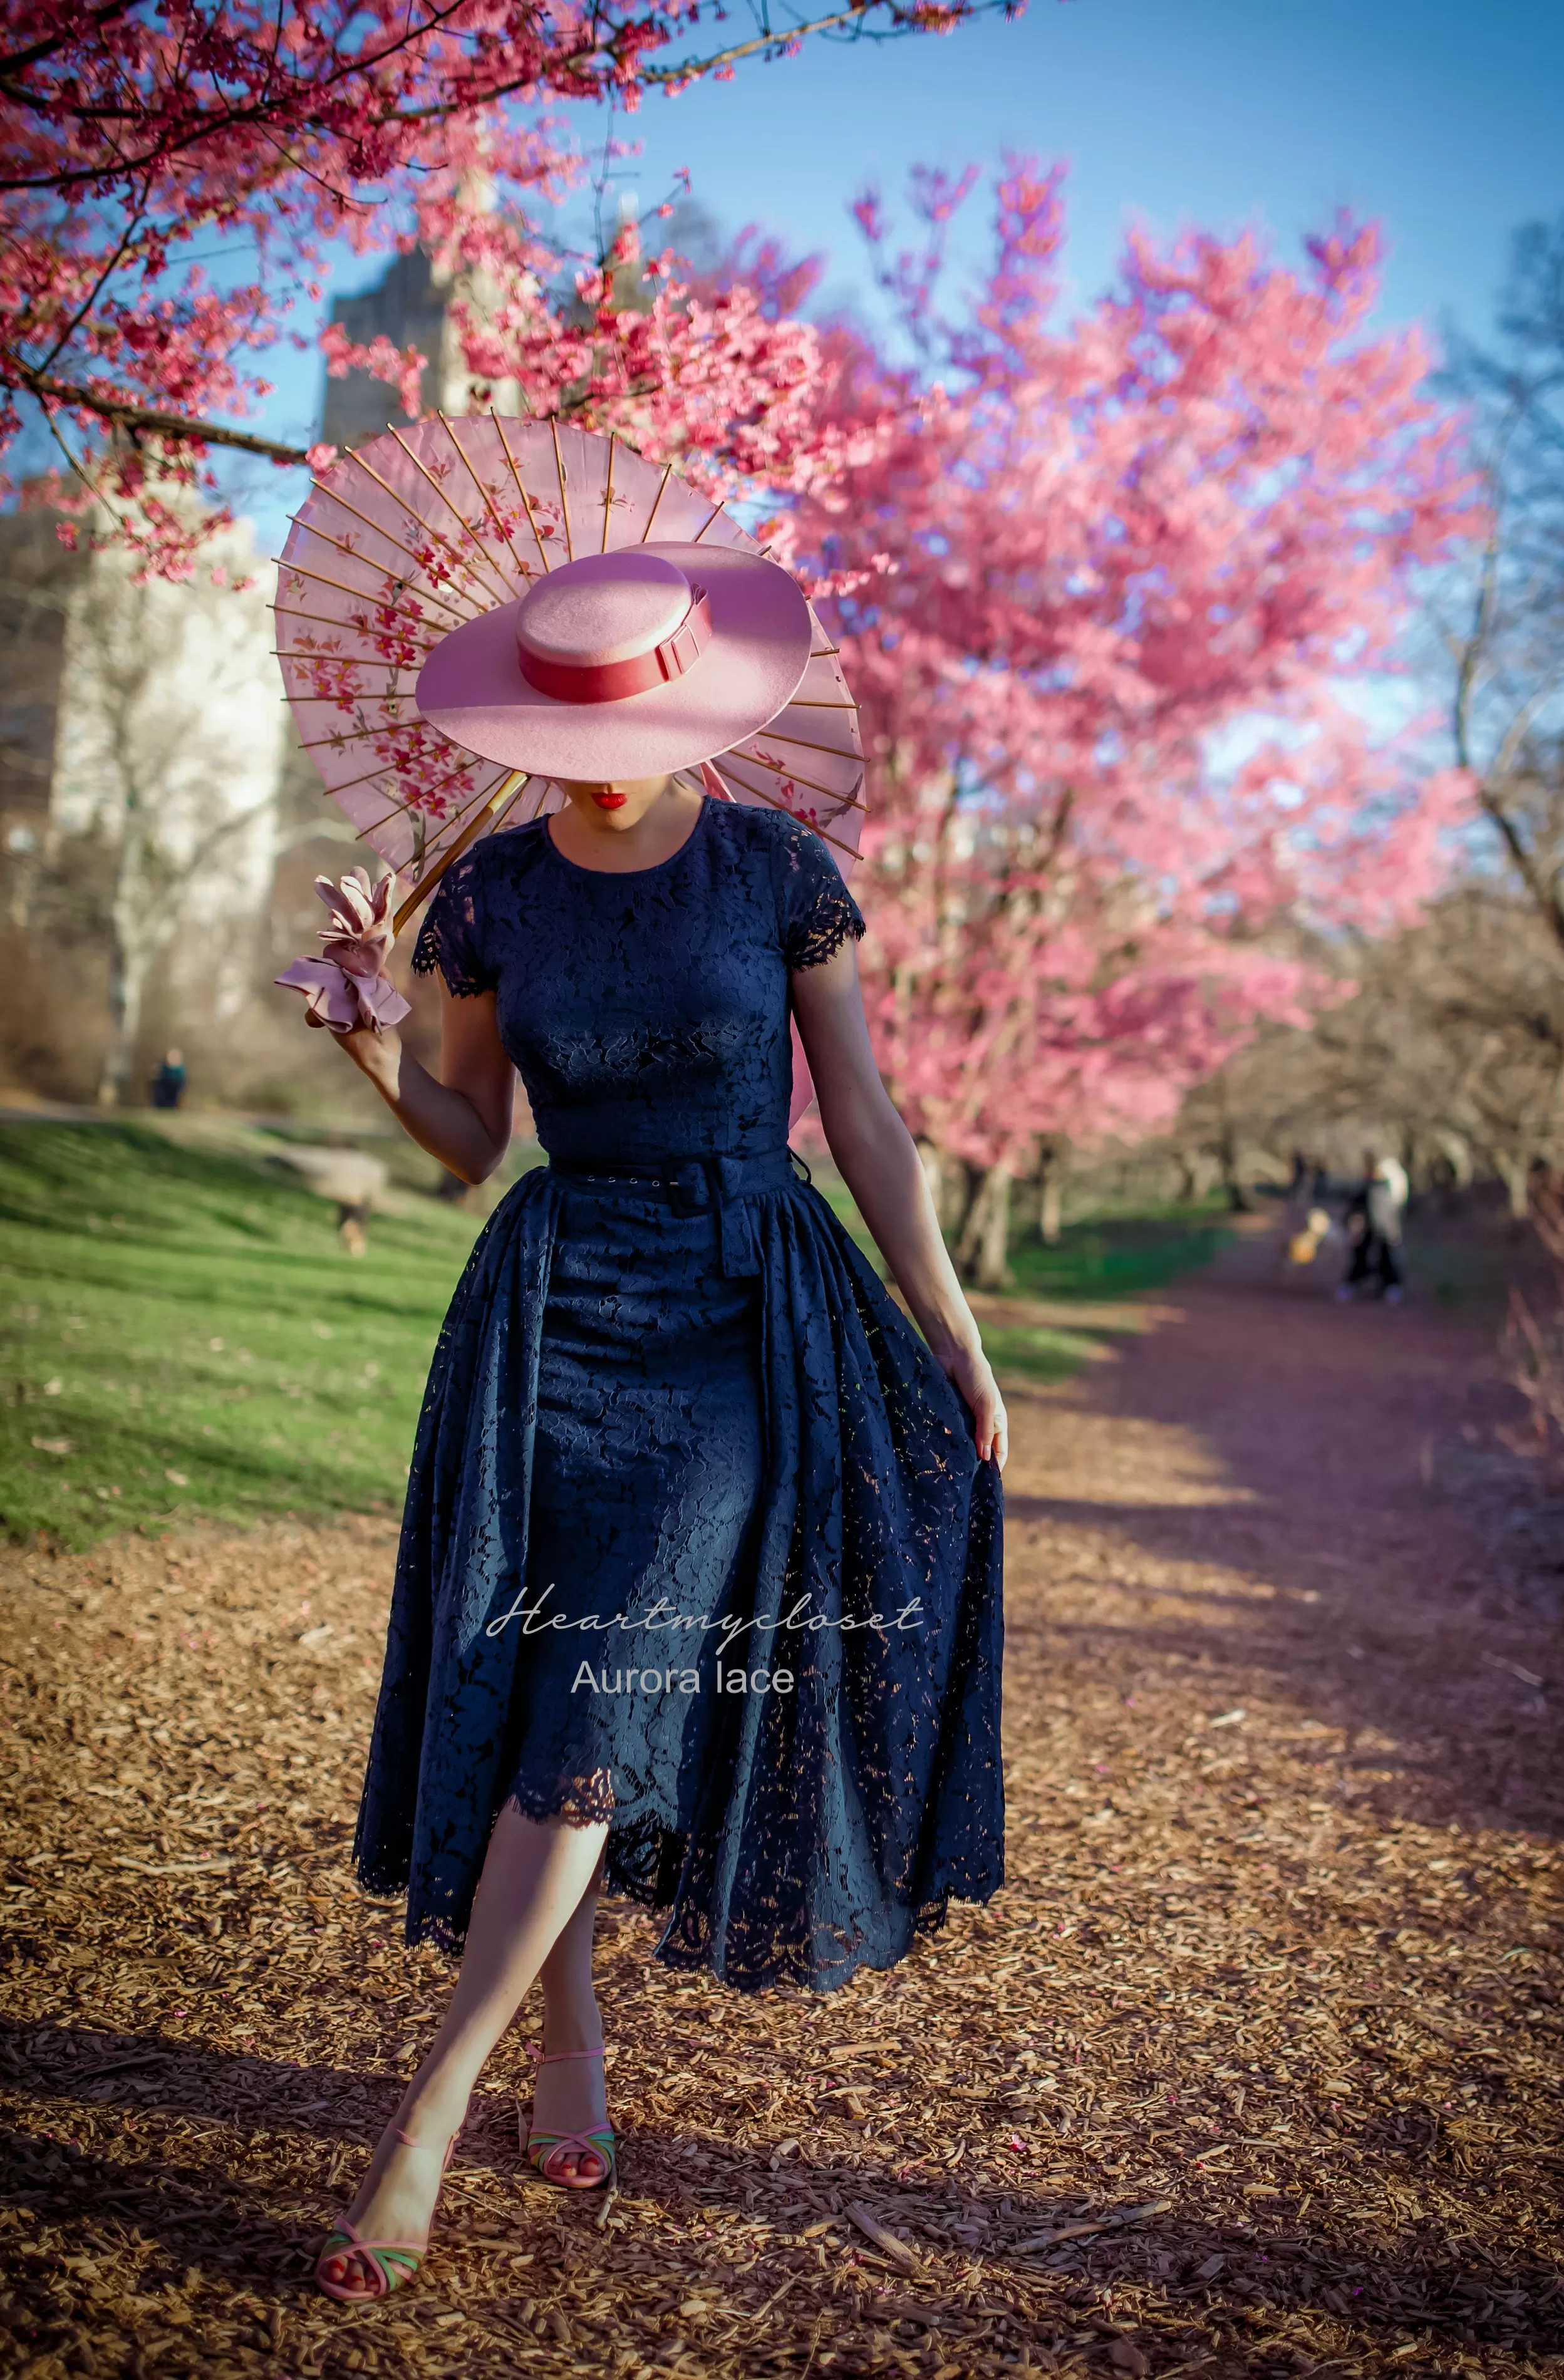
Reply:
x=625 y=665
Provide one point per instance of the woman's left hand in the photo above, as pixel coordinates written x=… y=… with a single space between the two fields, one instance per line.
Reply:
x=974 y=1376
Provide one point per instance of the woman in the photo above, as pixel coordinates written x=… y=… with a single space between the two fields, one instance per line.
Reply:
x=697 y=1591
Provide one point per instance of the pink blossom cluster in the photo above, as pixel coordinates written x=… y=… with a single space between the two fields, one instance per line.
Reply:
x=138 y=136
x=1104 y=594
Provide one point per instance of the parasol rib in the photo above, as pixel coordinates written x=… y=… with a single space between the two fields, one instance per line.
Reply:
x=667 y=475
x=510 y=786
x=843 y=801
x=464 y=768
x=364 y=734
x=507 y=594
x=375 y=528
x=439 y=535
x=487 y=496
x=385 y=769
x=521 y=491
x=342 y=661
x=327 y=620
x=364 y=594
x=462 y=809
x=832 y=752
x=608 y=492
x=563 y=498
x=772 y=804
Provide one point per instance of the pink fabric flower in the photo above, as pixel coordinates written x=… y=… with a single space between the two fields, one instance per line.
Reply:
x=348 y=984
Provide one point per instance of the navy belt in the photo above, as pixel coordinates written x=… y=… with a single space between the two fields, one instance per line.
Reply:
x=693 y=1185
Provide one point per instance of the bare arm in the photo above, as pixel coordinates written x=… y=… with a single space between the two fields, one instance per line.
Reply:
x=881 y=1167
x=465 y=1118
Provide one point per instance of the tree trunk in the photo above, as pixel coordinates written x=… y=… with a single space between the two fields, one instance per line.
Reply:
x=983 y=1250
x=947 y=1186
x=1227 y=1153
x=128 y=984
x=1515 y=1174
x=1185 y=1165
x=1048 y=1185
x=960 y=1183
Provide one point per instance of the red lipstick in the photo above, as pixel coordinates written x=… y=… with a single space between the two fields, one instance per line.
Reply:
x=610 y=801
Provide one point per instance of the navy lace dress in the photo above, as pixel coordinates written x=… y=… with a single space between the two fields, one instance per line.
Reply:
x=696 y=1539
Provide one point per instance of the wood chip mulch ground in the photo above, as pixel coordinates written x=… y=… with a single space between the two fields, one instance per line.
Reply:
x=1255 y=2067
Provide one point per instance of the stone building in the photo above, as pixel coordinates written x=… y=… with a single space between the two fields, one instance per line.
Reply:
x=141 y=742
x=407 y=306
x=159 y=826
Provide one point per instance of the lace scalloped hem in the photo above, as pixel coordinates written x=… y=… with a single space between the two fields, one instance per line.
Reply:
x=643 y=1861
x=794 y=1971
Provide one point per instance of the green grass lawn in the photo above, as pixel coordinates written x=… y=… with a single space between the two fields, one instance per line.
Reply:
x=1102 y=1260
x=1128 y=1254
x=181 y=1335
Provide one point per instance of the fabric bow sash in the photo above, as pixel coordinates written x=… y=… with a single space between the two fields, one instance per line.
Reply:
x=348 y=985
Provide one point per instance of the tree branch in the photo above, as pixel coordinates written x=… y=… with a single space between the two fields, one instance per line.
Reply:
x=594 y=54
x=18 y=61
x=121 y=414
x=1491 y=802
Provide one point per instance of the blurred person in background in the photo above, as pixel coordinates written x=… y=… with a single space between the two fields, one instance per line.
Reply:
x=1374 y=1219
x=168 y=1083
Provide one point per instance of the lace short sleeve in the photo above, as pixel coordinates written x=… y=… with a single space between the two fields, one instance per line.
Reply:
x=452 y=936
x=819 y=913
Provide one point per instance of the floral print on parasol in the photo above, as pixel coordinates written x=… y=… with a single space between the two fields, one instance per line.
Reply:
x=423 y=528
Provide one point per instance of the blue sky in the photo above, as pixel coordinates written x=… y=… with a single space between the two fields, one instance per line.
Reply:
x=1440 y=120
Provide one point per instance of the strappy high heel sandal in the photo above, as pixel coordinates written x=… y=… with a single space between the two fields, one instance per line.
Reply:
x=546 y=2152
x=390 y=2261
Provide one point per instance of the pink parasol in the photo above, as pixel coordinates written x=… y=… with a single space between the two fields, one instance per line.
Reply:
x=424 y=528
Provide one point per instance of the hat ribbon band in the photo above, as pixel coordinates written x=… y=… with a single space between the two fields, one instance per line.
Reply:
x=613 y=681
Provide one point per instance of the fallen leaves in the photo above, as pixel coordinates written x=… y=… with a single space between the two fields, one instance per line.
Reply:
x=1117 y=2222
x=1258 y=2072
x=869 y=2223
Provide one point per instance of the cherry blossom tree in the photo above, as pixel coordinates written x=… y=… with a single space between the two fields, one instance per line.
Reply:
x=138 y=136
x=1106 y=592
x=717 y=375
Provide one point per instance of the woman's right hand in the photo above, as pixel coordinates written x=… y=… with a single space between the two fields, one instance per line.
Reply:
x=970 y=1371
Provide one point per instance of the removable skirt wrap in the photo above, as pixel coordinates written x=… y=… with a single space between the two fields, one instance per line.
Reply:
x=667 y=1415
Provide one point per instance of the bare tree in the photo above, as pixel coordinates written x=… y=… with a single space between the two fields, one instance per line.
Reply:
x=1504 y=632
x=1448 y=1053
x=167 y=746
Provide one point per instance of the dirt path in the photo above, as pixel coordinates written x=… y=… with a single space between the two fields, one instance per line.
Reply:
x=1276 y=1974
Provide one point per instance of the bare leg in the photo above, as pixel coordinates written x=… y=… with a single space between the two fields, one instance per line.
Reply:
x=570 y=2096
x=533 y=1882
